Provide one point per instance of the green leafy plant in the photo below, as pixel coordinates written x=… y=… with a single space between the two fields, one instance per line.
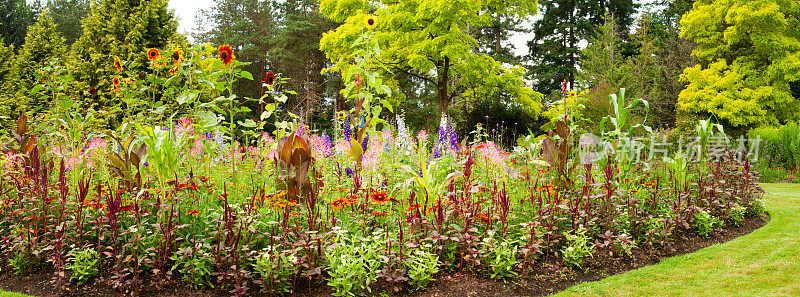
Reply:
x=84 y=265
x=277 y=270
x=502 y=260
x=421 y=266
x=704 y=223
x=576 y=248
x=736 y=214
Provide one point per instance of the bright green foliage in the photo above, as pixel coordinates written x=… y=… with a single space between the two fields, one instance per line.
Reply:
x=780 y=147
x=6 y=80
x=84 y=265
x=124 y=29
x=42 y=44
x=750 y=53
x=429 y=39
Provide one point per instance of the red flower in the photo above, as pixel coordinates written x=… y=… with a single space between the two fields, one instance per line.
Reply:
x=269 y=78
x=226 y=54
x=192 y=213
x=383 y=213
x=128 y=207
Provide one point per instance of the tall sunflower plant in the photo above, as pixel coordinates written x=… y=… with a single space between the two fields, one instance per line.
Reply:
x=368 y=92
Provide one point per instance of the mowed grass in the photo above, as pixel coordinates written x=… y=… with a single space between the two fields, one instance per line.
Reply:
x=765 y=262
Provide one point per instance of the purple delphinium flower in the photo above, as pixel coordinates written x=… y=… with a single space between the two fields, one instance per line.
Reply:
x=365 y=142
x=346 y=128
x=348 y=171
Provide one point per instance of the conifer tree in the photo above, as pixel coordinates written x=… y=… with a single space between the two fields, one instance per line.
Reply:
x=43 y=43
x=117 y=28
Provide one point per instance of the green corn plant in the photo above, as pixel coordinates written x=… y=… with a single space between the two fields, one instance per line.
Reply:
x=623 y=131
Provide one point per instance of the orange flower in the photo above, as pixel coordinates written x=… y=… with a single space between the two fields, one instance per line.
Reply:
x=177 y=56
x=341 y=202
x=379 y=196
x=192 y=213
x=153 y=54
x=115 y=84
x=226 y=54
x=383 y=213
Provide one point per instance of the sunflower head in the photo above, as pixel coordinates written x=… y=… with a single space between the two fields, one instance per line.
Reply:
x=177 y=56
x=573 y=94
x=341 y=114
x=370 y=22
x=226 y=54
x=115 y=84
x=117 y=64
x=269 y=78
x=153 y=54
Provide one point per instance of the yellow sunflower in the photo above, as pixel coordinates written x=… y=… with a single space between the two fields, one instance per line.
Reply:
x=341 y=115
x=370 y=22
x=573 y=94
x=177 y=56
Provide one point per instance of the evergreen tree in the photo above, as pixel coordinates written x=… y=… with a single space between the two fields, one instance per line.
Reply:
x=7 y=81
x=67 y=15
x=118 y=28
x=15 y=18
x=565 y=24
x=297 y=55
x=43 y=43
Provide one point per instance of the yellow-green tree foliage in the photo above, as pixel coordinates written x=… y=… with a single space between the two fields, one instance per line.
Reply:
x=750 y=54
x=118 y=28
x=432 y=41
x=43 y=42
x=6 y=82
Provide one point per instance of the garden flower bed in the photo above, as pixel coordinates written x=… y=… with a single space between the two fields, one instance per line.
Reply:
x=204 y=201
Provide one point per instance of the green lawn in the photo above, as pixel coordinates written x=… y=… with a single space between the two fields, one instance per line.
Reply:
x=763 y=263
x=11 y=294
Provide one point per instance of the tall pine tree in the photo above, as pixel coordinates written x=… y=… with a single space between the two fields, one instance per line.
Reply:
x=564 y=26
x=15 y=18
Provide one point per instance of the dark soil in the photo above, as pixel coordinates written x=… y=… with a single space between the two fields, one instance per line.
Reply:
x=551 y=274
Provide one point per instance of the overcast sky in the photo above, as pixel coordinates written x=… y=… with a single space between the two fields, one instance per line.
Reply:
x=187 y=10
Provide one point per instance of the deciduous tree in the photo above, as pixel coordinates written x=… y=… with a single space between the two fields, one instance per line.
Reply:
x=750 y=55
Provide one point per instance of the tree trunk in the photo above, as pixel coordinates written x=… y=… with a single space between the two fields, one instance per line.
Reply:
x=442 y=88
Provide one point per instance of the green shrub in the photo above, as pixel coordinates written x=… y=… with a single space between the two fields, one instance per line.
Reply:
x=277 y=270
x=195 y=266
x=704 y=223
x=421 y=266
x=84 y=265
x=502 y=261
x=576 y=248
x=736 y=214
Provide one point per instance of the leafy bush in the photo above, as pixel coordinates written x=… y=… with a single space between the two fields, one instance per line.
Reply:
x=705 y=223
x=84 y=265
x=576 y=248
x=736 y=214
x=196 y=266
x=422 y=265
x=502 y=261
x=277 y=270
x=780 y=147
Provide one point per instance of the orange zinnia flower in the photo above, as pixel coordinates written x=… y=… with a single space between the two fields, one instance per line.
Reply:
x=226 y=54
